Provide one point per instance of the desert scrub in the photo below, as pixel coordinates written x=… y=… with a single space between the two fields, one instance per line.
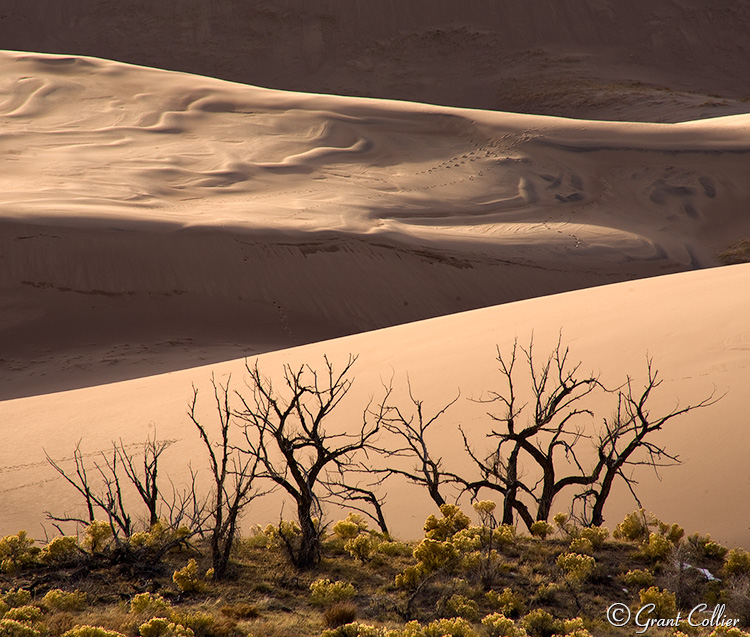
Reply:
x=576 y=567
x=17 y=552
x=355 y=630
x=60 y=600
x=160 y=627
x=323 y=592
x=597 y=535
x=634 y=527
x=582 y=546
x=26 y=614
x=361 y=547
x=638 y=578
x=498 y=625
x=507 y=602
x=453 y=521
x=539 y=623
x=16 y=597
x=541 y=529
x=737 y=562
x=456 y=627
x=15 y=628
x=340 y=614
x=187 y=578
x=432 y=555
x=461 y=606
x=61 y=550
x=146 y=604
x=664 y=603
x=707 y=547
x=658 y=547
x=97 y=536
x=547 y=592
x=91 y=631
x=350 y=527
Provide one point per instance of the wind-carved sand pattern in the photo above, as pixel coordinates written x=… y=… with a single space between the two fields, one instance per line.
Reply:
x=147 y=207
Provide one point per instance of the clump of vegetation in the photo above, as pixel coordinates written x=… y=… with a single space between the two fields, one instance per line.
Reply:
x=324 y=592
x=638 y=578
x=188 y=579
x=665 y=603
x=541 y=529
x=737 y=562
x=576 y=567
x=509 y=603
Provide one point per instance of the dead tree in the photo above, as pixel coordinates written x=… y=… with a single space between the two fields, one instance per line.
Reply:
x=412 y=430
x=145 y=483
x=548 y=436
x=108 y=499
x=285 y=430
x=625 y=442
x=234 y=477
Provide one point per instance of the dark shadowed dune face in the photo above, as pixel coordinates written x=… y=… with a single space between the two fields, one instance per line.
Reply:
x=593 y=59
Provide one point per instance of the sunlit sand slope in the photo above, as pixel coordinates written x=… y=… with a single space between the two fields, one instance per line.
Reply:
x=693 y=325
x=150 y=220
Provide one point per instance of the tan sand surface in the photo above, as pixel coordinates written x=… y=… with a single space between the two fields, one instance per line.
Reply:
x=694 y=325
x=639 y=60
x=152 y=220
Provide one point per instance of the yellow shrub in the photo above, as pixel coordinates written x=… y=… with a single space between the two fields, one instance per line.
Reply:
x=498 y=625
x=665 y=604
x=61 y=549
x=582 y=546
x=57 y=599
x=460 y=606
x=350 y=527
x=15 y=628
x=17 y=551
x=597 y=535
x=737 y=562
x=541 y=529
x=159 y=627
x=323 y=592
x=577 y=567
x=27 y=614
x=151 y=605
x=658 y=547
x=91 y=631
x=508 y=602
x=17 y=597
x=452 y=522
x=187 y=578
x=97 y=536
x=638 y=578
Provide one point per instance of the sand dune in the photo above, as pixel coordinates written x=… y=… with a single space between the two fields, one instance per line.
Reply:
x=595 y=59
x=610 y=328
x=153 y=220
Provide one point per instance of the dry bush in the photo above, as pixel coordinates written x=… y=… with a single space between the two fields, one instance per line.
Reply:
x=340 y=614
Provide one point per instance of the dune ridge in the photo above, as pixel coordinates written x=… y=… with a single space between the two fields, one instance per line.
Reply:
x=216 y=219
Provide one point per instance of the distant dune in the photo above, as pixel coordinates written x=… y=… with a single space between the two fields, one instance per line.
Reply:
x=153 y=220
x=670 y=60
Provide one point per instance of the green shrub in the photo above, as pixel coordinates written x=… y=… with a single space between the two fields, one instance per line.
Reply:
x=15 y=628
x=541 y=529
x=61 y=550
x=658 y=547
x=146 y=604
x=665 y=604
x=498 y=625
x=597 y=535
x=187 y=578
x=546 y=592
x=160 y=627
x=504 y=534
x=574 y=628
x=507 y=602
x=91 y=631
x=350 y=527
x=323 y=592
x=17 y=552
x=673 y=532
x=575 y=566
x=638 y=578
x=539 y=623
x=28 y=614
x=460 y=606
x=59 y=600
x=737 y=562
x=582 y=546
